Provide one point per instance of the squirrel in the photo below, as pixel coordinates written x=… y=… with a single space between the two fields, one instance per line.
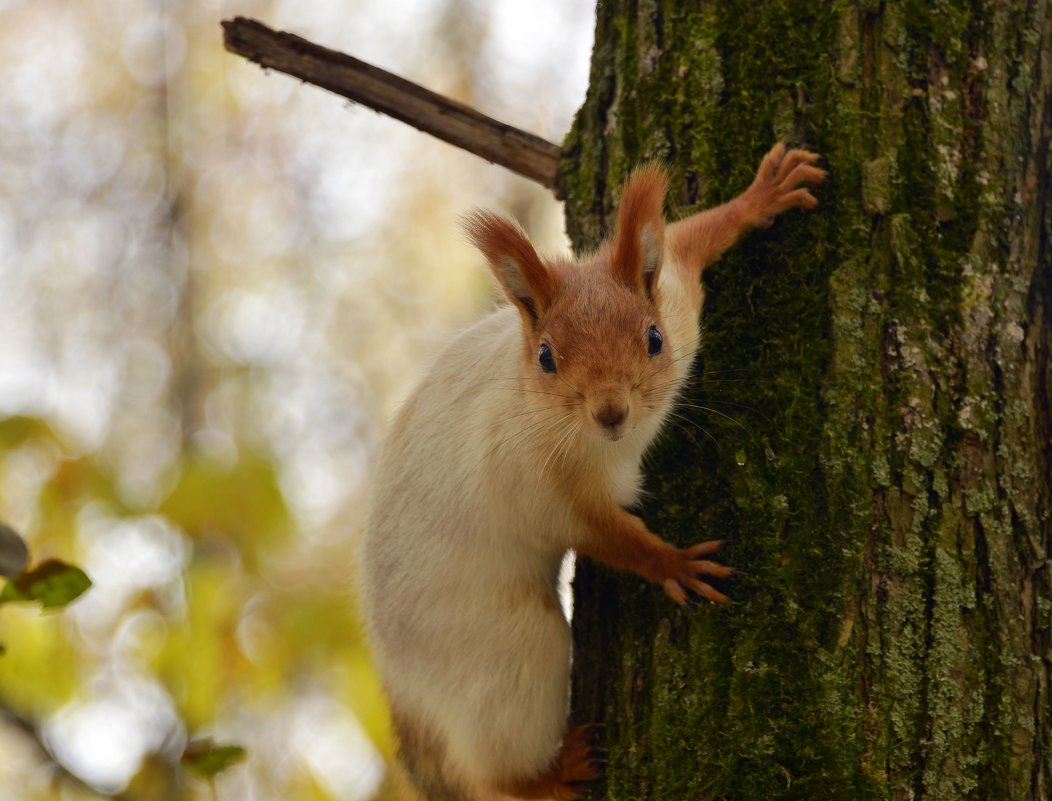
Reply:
x=524 y=441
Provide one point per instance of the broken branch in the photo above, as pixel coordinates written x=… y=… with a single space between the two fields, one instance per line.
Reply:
x=521 y=152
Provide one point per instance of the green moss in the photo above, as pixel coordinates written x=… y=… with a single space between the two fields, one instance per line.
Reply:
x=877 y=185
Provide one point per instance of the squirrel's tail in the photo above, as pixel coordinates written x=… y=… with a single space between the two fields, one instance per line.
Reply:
x=419 y=773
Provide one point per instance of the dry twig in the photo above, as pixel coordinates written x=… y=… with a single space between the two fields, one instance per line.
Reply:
x=519 y=151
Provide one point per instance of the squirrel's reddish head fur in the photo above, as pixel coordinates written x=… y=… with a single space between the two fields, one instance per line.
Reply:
x=592 y=329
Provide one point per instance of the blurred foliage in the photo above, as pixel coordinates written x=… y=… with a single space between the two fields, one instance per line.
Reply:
x=41 y=668
x=215 y=287
x=252 y=515
x=207 y=759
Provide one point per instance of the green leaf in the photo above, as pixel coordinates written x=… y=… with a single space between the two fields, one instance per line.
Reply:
x=207 y=759
x=14 y=555
x=52 y=582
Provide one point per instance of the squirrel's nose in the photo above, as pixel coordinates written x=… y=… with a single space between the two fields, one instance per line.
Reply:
x=611 y=416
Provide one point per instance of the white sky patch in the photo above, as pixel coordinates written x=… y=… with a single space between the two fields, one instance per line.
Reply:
x=330 y=740
x=316 y=482
x=257 y=327
x=123 y=558
x=547 y=45
x=103 y=735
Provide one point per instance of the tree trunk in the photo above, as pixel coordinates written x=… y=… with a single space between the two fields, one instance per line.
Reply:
x=870 y=421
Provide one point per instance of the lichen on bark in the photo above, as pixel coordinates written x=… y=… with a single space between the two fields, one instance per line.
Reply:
x=870 y=416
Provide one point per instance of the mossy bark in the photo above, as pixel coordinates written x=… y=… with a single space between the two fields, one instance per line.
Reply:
x=870 y=421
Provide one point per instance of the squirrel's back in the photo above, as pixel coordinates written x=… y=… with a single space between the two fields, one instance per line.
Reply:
x=452 y=595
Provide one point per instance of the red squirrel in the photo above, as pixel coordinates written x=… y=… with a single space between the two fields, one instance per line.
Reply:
x=524 y=441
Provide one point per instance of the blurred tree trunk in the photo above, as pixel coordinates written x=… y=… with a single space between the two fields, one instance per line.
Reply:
x=879 y=445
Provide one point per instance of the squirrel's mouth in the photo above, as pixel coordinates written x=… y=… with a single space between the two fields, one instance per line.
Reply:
x=609 y=434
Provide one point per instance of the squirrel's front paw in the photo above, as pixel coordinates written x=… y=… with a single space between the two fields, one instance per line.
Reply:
x=780 y=184
x=684 y=566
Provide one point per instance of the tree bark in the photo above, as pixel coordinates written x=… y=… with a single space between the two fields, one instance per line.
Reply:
x=870 y=421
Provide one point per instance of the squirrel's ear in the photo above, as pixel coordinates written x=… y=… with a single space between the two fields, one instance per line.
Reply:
x=527 y=282
x=640 y=242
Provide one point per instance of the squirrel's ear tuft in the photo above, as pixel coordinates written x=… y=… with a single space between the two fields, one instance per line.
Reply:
x=528 y=283
x=640 y=242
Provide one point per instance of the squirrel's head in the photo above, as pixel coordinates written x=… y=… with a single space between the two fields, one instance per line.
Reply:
x=595 y=348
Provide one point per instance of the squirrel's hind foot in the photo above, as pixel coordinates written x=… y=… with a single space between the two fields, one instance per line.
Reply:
x=579 y=762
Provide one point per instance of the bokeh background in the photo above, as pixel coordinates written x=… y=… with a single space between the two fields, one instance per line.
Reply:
x=216 y=286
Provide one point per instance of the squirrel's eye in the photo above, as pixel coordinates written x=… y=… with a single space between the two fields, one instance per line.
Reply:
x=654 y=341
x=546 y=359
